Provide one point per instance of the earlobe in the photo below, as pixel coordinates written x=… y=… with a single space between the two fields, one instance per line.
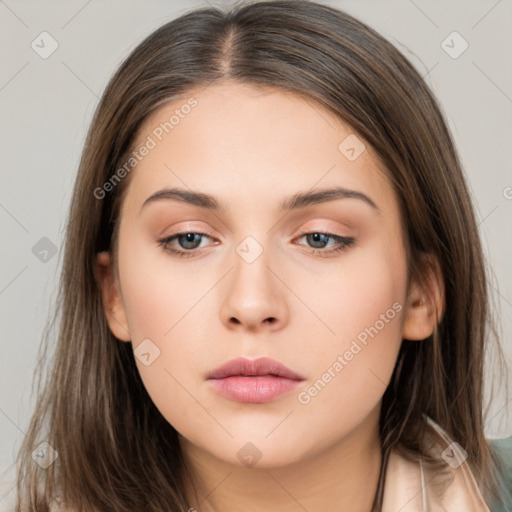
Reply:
x=425 y=304
x=111 y=298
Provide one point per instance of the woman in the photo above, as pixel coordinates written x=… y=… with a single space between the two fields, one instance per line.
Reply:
x=261 y=368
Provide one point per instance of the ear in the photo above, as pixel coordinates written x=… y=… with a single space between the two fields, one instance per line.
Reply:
x=111 y=298
x=425 y=303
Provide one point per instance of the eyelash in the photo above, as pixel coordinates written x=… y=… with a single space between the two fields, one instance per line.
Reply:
x=343 y=243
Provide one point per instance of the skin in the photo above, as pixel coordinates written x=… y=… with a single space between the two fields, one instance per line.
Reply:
x=252 y=148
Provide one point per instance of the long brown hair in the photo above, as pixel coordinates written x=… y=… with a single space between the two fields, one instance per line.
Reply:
x=115 y=450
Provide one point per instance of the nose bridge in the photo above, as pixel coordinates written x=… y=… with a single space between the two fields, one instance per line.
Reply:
x=251 y=274
x=251 y=249
x=253 y=295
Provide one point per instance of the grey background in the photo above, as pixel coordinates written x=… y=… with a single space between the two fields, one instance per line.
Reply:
x=47 y=104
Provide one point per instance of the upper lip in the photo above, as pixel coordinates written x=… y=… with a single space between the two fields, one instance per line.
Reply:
x=253 y=367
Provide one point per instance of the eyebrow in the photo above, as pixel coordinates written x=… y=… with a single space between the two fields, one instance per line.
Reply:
x=298 y=200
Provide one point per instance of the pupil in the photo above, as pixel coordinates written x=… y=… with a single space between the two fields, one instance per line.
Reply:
x=189 y=239
x=317 y=237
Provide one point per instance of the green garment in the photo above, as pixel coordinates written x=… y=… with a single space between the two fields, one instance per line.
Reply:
x=503 y=447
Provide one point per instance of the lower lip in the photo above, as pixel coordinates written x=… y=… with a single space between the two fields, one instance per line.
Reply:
x=253 y=390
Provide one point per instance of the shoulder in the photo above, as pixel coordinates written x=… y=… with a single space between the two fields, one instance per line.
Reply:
x=503 y=449
x=412 y=480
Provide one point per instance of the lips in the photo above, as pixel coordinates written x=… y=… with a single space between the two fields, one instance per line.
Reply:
x=253 y=381
x=254 y=368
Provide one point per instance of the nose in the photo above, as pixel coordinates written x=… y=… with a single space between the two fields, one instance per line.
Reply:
x=254 y=299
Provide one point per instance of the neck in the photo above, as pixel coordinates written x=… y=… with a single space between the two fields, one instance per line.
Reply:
x=344 y=477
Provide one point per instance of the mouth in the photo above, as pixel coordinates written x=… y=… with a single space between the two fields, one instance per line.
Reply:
x=253 y=381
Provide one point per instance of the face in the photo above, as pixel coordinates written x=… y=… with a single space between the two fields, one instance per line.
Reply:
x=317 y=284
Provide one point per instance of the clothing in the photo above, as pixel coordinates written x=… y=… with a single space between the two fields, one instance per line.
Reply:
x=417 y=487
x=503 y=447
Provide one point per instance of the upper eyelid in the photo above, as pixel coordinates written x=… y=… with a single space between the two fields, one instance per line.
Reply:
x=205 y=233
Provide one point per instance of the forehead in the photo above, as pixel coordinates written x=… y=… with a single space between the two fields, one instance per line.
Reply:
x=247 y=143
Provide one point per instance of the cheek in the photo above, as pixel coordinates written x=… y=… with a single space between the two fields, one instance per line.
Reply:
x=164 y=306
x=353 y=294
x=363 y=304
x=159 y=292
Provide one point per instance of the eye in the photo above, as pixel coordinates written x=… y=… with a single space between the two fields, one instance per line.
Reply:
x=320 y=239
x=189 y=241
